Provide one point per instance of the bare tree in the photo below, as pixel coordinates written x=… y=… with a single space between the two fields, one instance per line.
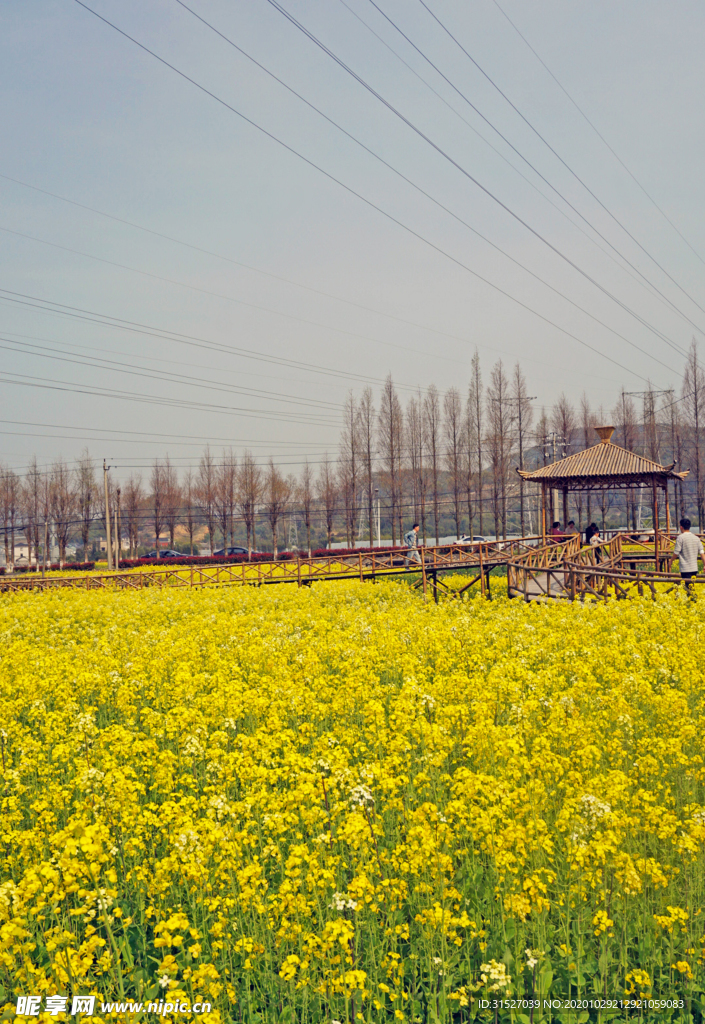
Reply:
x=64 y=505
x=541 y=433
x=32 y=509
x=87 y=496
x=225 y=495
x=366 y=438
x=172 y=499
x=416 y=435
x=10 y=504
x=206 y=493
x=499 y=436
x=327 y=497
x=133 y=498
x=277 y=495
x=476 y=424
x=249 y=490
x=433 y=425
x=587 y=421
x=693 y=397
x=157 y=484
x=564 y=424
x=389 y=439
x=625 y=420
x=563 y=421
x=349 y=467
x=650 y=429
x=672 y=409
x=523 y=413
x=188 y=491
x=305 y=499
x=454 y=443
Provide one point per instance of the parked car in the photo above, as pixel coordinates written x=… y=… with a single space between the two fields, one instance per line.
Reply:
x=167 y=553
x=230 y=551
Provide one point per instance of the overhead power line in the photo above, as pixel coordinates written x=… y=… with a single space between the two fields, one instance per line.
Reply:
x=121 y=366
x=427 y=195
x=159 y=360
x=599 y=135
x=597 y=132
x=358 y=195
x=557 y=155
x=483 y=188
x=559 y=209
x=247 y=266
x=220 y=295
x=649 y=284
x=151 y=434
x=229 y=259
x=51 y=384
x=106 y=320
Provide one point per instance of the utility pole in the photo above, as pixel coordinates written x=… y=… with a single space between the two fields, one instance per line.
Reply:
x=46 y=534
x=379 y=535
x=649 y=432
x=521 y=404
x=117 y=530
x=107 y=517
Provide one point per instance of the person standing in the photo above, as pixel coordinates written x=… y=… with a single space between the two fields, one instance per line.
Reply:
x=595 y=541
x=411 y=539
x=687 y=550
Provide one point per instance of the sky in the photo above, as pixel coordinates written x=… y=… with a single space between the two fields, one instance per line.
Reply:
x=212 y=261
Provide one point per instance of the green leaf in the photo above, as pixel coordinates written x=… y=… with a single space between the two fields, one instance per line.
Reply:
x=545 y=979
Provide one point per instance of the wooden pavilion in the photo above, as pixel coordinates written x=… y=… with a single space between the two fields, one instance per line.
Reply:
x=604 y=466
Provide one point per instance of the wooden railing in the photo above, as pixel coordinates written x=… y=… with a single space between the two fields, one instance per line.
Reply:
x=596 y=571
x=302 y=571
x=543 y=572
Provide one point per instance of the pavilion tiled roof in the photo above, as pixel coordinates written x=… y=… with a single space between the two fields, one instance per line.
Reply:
x=604 y=461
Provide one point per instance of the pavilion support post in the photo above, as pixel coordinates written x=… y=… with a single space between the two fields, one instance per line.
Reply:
x=565 y=508
x=668 y=510
x=654 y=491
x=543 y=513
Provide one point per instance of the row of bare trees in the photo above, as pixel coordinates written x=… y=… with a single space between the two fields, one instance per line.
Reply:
x=439 y=459
x=446 y=453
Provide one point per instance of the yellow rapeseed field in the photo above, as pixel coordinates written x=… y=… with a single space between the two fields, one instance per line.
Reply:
x=333 y=804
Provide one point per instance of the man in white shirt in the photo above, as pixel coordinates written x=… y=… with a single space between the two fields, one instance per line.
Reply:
x=687 y=550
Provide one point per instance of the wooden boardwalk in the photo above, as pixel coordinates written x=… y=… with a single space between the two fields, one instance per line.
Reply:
x=567 y=571
x=558 y=571
x=434 y=562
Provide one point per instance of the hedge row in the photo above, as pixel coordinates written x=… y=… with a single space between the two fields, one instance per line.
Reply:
x=258 y=556
x=132 y=563
x=54 y=565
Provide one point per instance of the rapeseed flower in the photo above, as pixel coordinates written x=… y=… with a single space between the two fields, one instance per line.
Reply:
x=277 y=800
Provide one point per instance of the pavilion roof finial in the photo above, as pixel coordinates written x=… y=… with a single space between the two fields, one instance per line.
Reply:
x=604 y=433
